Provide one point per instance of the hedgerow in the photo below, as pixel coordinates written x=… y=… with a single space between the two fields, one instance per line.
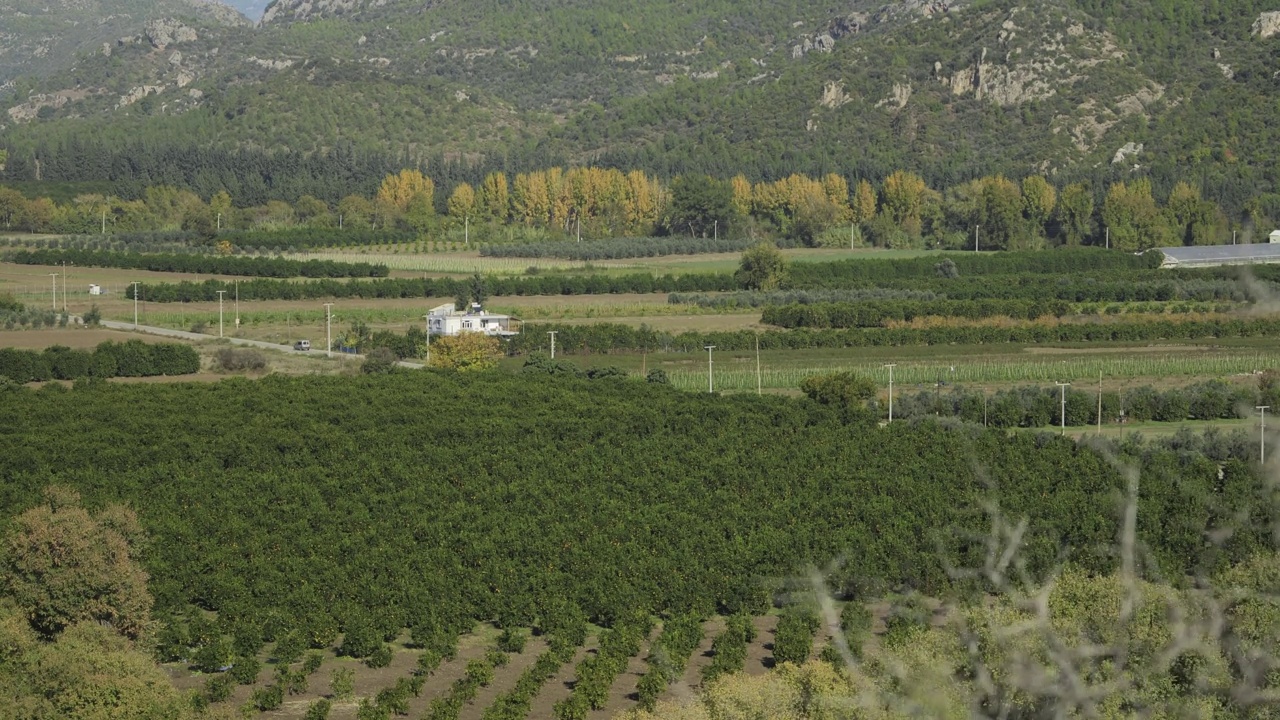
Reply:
x=611 y=337
x=132 y=358
x=1062 y=261
x=261 y=289
x=1043 y=406
x=873 y=313
x=620 y=248
x=274 y=267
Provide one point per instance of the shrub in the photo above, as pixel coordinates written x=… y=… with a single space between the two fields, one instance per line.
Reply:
x=218 y=688
x=343 y=683
x=289 y=648
x=312 y=663
x=512 y=640
x=793 y=641
x=212 y=656
x=270 y=697
x=318 y=710
x=379 y=658
x=380 y=361
x=245 y=670
x=360 y=640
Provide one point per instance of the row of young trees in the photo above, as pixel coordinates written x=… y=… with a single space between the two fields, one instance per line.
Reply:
x=882 y=313
x=132 y=358
x=1032 y=407
x=274 y=267
x=996 y=213
x=612 y=337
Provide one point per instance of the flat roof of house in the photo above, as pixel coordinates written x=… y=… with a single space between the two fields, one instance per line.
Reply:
x=1224 y=254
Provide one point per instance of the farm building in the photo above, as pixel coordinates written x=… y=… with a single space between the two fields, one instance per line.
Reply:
x=445 y=320
x=1211 y=255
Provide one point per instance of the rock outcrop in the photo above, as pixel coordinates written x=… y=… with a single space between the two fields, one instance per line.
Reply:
x=1125 y=152
x=1267 y=24
x=833 y=95
x=137 y=93
x=164 y=32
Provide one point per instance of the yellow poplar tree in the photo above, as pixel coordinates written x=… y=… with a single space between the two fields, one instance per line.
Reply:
x=495 y=199
x=864 y=202
x=904 y=195
x=462 y=203
x=397 y=190
x=1039 y=198
x=836 y=189
x=530 y=202
x=741 y=195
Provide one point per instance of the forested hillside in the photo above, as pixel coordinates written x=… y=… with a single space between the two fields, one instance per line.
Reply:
x=949 y=90
x=39 y=38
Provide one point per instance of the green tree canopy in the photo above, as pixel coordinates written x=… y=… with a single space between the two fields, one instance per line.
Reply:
x=62 y=565
x=701 y=206
x=763 y=267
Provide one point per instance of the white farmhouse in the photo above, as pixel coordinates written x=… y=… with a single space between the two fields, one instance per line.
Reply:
x=445 y=320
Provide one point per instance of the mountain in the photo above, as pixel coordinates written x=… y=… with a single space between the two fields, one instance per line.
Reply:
x=45 y=37
x=1094 y=89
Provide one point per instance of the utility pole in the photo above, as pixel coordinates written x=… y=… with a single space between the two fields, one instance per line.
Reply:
x=715 y=230
x=577 y=224
x=237 y=306
x=220 y=294
x=135 y=304
x=55 y=290
x=1108 y=238
x=1064 y=387
x=64 y=286
x=710 y=382
x=219 y=222
x=975 y=237
x=104 y=222
x=1262 y=434
x=1233 y=237
x=328 y=329
x=852 y=234
x=552 y=333
x=466 y=230
x=891 y=366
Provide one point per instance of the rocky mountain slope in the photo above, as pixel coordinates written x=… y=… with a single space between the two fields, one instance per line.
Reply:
x=950 y=88
x=44 y=37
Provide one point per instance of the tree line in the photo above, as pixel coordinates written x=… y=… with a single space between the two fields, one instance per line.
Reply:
x=132 y=358
x=614 y=337
x=274 y=267
x=990 y=213
x=1037 y=407
x=882 y=313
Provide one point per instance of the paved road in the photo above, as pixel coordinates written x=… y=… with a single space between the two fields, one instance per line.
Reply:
x=184 y=335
